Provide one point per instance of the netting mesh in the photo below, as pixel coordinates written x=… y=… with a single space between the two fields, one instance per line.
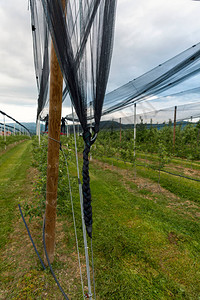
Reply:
x=159 y=79
x=147 y=111
x=82 y=33
x=41 y=42
x=157 y=117
x=83 y=37
x=148 y=114
x=18 y=124
x=153 y=83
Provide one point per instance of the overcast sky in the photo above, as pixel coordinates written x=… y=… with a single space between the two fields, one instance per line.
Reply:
x=148 y=32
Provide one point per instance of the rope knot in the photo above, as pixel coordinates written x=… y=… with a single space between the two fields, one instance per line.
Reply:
x=88 y=138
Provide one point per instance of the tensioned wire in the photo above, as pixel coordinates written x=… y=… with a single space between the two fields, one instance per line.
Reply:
x=42 y=263
x=86 y=248
x=74 y=221
x=82 y=215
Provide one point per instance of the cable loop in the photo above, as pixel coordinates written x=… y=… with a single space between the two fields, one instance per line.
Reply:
x=88 y=138
x=59 y=142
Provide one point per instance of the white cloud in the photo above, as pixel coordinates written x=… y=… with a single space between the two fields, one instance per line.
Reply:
x=18 y=92
x=147 y=34
x=150 y=32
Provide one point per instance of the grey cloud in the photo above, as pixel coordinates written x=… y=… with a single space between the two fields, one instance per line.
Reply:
x=147 y=34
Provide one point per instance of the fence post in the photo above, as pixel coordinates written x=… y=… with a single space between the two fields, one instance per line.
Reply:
x=174 y=133
x=54 y=126
x=5 y=130
x=120 y=135
x=134 y=127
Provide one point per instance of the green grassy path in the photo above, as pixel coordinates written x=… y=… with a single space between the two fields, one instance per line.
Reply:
x=143 y=248
x=184 y=188
x=13 y=168
x=145 y=240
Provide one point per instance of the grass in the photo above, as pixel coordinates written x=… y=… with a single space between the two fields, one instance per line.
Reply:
x=22 y=276
x=10 y=141
x=184 y=188
x=145 y=238
x=174 y=160
x=133 y=241
x=13 y=167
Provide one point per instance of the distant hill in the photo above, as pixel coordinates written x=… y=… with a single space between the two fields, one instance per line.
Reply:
x=116 y=125
x=30 y=126
x=104 y=125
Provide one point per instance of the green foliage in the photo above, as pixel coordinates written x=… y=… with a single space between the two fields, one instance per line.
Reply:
x=163 y=155
x=135 y=256
x=152 y=140
x=9 y=140
x=144 y=241
x=37 y=208
x=32 y=285
x=13 y=167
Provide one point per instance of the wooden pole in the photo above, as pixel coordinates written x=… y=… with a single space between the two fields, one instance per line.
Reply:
x=39 y=130
x=134 y=138
x=174 y=134
x=54 y=126
x=4 y=130
x=67 y=130
x=90 y=124
x=120 y=136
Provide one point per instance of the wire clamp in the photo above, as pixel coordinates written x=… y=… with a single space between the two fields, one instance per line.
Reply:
x=87 y=295
x=56 y=142
x=88 y=138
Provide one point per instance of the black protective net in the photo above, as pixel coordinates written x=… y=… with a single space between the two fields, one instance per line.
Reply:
x=82 y=35
x=40 y=34
x=186 y=112
x=159 y=79
x=10 y=128
x=18 y=123
x=148 y=113
x=153 y=83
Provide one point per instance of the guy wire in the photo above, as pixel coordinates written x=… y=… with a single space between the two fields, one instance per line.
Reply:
x=74 y=220
x=93 y=270
x=82 y=214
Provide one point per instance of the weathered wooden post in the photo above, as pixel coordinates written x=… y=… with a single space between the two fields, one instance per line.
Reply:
x=120 y=135
x=67 y=129
x=134 y=138
x=4 y=130
x=174 y=134
x=55 y=107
